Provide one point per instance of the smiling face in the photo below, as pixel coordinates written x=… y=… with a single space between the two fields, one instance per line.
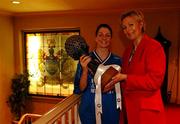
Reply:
x=132 y=27
x=132 y=24
x=103 y=37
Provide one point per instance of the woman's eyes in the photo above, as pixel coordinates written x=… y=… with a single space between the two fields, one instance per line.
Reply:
x=130 y=25
x=104 y=35
x=125 y=27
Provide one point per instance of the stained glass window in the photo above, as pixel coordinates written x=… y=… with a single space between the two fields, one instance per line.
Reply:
x=51 y=70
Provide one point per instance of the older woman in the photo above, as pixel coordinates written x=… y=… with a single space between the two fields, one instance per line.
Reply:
x=142 y=73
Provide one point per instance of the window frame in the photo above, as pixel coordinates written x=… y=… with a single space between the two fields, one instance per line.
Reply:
x=58 y=30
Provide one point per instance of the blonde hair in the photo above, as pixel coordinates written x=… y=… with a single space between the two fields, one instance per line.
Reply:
x=137 y=13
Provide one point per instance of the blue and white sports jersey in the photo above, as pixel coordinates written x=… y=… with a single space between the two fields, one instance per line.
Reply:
x=111 y=114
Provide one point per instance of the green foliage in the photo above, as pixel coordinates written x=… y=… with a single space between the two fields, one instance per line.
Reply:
x=20 y=90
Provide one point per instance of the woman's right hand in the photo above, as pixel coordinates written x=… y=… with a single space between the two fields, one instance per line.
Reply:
x=84 y=60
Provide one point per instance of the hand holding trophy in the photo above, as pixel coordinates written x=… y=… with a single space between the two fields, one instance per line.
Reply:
x=76 y=46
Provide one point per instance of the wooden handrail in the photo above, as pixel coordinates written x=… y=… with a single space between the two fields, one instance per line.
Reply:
x=59 y=110
x=28 y=117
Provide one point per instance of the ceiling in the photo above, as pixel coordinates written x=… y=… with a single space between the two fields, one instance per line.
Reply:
x=29 y=6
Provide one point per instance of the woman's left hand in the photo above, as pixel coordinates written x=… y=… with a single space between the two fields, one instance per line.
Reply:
x=109 y=86
x=117 y=78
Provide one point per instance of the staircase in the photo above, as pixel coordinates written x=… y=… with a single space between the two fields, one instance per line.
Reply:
x=65 y=112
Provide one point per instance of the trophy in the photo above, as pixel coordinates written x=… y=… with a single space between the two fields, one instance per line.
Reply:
x=76 y=46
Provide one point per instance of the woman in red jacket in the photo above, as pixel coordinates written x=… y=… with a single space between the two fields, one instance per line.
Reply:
x=142 y=73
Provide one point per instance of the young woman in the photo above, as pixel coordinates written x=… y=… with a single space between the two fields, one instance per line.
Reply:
x=84 y=81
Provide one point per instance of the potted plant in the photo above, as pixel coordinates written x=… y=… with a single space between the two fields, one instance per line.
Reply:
x=18 y=98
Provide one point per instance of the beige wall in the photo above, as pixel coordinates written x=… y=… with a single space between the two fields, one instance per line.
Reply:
x=169 y=21
x=41 y=105
x=6 y=66
x=86 y=22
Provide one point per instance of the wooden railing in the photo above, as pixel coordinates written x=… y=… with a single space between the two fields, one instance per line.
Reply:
x=28 y=118
x=65 y=112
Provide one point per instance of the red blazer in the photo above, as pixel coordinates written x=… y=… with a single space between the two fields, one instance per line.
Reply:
x=145 y=74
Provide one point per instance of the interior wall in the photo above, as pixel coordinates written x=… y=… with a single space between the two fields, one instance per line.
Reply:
x=169 y=23
x=86 y=22
x=178 y=67
x=6 y=66
x=167 y=20
x=41 y=105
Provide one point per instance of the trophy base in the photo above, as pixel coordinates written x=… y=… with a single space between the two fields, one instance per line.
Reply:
x=107 y=76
